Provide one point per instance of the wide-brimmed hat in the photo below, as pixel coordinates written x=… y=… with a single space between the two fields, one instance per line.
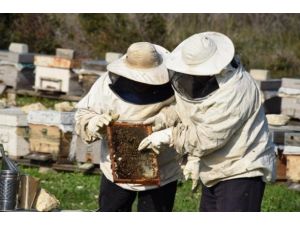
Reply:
x=143 y=62
x=202 y=54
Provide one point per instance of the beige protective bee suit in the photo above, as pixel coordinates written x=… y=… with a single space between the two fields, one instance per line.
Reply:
x=102 y=99
x=227 y=130
x=222 y=126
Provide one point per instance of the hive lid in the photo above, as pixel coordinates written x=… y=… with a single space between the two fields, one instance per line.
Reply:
x=13 y=117
x=51 y=117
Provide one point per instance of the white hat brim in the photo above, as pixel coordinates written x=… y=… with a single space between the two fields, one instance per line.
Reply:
x=154 y=76
x=214 y=65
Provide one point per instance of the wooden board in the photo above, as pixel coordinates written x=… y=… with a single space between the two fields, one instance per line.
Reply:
x=54 y=61
x=281 y=166
x=293 y=168
x=44 y=94
x=68 y=167
x=49 y=139
x=128 y=164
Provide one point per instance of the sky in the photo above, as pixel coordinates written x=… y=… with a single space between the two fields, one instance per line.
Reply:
x=147 y=6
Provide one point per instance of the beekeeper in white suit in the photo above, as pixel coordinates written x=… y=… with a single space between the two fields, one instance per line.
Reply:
x=136 y=87
x=223 y=127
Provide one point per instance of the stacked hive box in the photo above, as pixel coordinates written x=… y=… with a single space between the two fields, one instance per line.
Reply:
x=92 y=69
x=16 y=67
x=292 y=153
x=290 y=106
x=85 y=153
x=283 y=136
x=89 y=72
x=290 y=101
x=14 y=132
x=55 y=74
x=269 y=88
x=50 y=132
x=280 y=136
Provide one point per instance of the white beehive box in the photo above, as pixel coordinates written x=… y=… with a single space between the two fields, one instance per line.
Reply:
x=18 y=77
x=51 y=117
x=57 y=79
x=290 y=107
x=259 y=74
x=16 y=57
x=292 y=83
x=18 y=47
x=14 y=132
x=65 y=53
x=112 y=56
x=85 y=153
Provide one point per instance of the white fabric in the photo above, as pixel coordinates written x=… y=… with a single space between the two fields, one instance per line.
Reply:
x=192 y=171
x=101 y=99
x=155 y=75
x=157 y=140
x=167 y=117
x=228 y=131
x=202 y=54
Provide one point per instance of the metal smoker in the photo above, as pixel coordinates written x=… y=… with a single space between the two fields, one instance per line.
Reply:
x=9 y=183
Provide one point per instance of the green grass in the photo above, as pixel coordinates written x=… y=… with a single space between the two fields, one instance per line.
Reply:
x=77 y=191
x=25 y=100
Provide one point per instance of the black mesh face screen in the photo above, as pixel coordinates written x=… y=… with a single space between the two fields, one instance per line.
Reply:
x=194 y=87
x=140 y=93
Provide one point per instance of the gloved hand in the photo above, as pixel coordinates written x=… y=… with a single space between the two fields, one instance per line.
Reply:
x=167 y=117
x=192 y=171
x=98 y=122
x=157 y=140
x=158 y=121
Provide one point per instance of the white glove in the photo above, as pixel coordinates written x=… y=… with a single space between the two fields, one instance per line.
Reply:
x=157 y=140
x=98 y=122
x=167 y=117
x=192 y=171
x=158 y=121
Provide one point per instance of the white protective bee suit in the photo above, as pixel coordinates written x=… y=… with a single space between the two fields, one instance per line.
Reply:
x=227 y=130
x=102 y=99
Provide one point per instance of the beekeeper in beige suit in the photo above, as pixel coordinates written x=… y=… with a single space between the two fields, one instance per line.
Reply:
x=136 y=87
x=223 y=127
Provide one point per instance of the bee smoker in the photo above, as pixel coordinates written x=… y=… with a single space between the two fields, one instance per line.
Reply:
x=9 y=183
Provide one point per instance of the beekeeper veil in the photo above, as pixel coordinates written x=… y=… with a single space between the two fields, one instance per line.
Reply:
x=196 y=64
x=141 y=73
